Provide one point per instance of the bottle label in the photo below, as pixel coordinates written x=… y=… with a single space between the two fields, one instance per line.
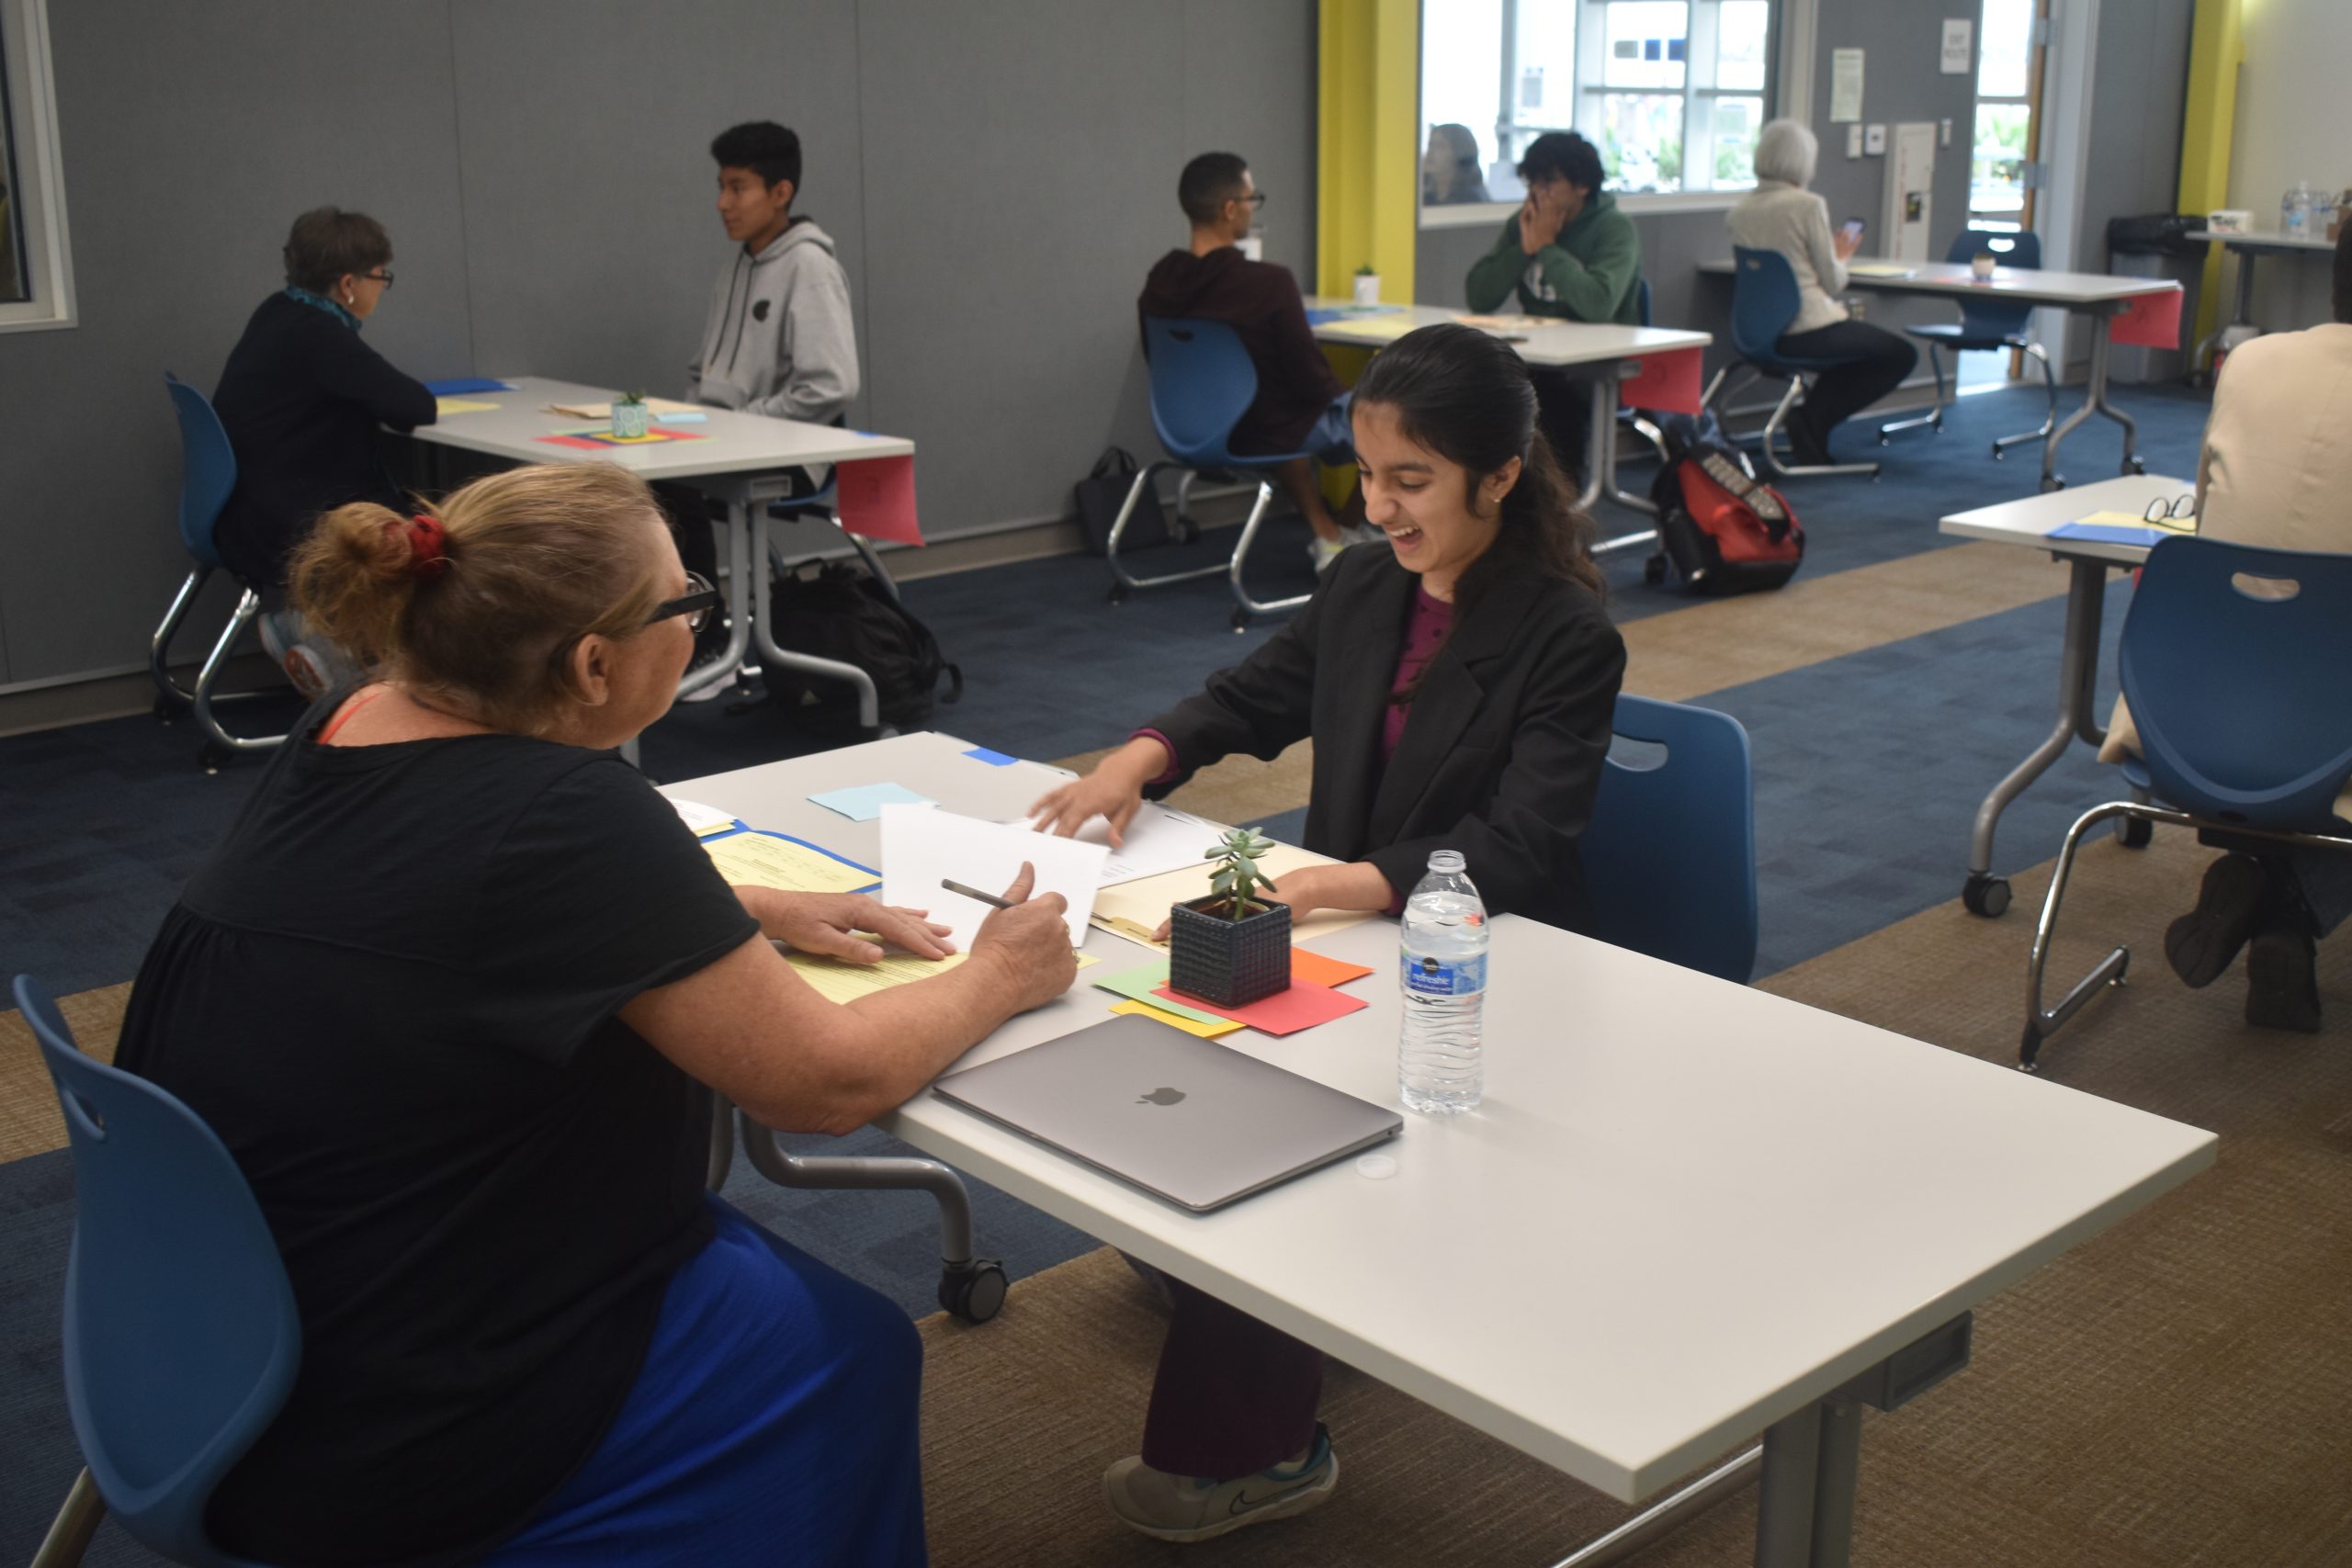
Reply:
x=1433 y=977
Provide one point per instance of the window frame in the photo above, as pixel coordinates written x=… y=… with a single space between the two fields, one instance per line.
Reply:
x=1785 y=81
x=38 y=192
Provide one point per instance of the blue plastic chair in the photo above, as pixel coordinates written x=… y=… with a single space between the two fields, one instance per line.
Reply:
x=1669 y=857
x=181 y=1339
x=1985 y=324
x=1764 y=301
x=2238 y=697
x=207 y=473
x=1202 y=383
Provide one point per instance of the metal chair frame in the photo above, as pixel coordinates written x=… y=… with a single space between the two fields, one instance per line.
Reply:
x=2007 y=331
x=209 y=474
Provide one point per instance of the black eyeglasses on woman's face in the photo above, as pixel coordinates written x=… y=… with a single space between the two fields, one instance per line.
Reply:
x=382 y=275
x=695 y=604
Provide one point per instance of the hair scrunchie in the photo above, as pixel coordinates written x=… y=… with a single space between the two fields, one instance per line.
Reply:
x=428 y=543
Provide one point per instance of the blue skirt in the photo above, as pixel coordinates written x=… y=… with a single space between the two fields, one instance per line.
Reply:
x=775 y=1421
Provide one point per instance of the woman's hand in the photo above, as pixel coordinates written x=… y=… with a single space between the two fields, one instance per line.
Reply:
x=826 y=924
x=1031 y=941
x=1113 y=791
x=1846 y=243
x=1356 y=885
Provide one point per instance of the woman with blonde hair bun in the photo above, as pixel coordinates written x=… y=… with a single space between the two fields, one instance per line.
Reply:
x=445 y=990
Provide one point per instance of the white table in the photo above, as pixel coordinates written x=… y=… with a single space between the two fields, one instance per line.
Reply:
x=2095 y=295
x=1687 y=1212
x=743 y=459
x=1602 y=349
x=2027 y=524
x=2247 y=247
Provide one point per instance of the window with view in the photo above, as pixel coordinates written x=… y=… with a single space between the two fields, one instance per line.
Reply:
x=35 y=279
x=1672 y=92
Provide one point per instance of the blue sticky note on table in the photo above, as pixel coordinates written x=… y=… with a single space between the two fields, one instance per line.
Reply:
x=2109 y=534
x=863 y=803
x=459 y=385
x=994 y=759
x=691 y=416
x=1326 y=315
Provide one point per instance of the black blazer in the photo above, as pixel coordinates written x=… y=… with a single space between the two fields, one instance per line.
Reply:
x=1501 y=753
x=301 y=398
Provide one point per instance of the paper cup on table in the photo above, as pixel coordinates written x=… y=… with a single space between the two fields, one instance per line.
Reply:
x=1367 y=288
x=1982 y=264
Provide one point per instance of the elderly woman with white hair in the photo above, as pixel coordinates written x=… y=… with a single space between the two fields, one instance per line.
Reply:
x=1782 y=215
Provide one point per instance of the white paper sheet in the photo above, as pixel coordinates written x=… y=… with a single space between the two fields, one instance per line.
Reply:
x=922 y=846
x=1160 y=839
x=701 y=819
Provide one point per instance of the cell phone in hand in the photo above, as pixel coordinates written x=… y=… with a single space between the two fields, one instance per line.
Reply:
x=1852 y=229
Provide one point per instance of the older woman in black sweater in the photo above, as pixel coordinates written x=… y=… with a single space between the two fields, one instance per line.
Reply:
x=301 y=398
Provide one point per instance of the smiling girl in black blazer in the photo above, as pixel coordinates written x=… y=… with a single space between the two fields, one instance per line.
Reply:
x=1458 y=686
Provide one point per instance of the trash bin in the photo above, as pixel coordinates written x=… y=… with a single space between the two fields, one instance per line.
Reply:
x=2155 y=245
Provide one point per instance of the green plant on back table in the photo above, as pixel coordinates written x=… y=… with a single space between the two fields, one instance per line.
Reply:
x=1236 y=875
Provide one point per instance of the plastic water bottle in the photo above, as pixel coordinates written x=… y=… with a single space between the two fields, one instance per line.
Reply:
x=1442 y=976
x=2295 y=211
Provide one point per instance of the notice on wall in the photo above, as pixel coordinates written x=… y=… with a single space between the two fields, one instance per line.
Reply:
x=1845 y=84
x=1958 y=54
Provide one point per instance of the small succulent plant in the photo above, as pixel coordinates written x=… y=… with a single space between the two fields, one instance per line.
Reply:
x=1237 y=876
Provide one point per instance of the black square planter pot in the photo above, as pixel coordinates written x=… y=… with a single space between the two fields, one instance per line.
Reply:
x=1226 y=961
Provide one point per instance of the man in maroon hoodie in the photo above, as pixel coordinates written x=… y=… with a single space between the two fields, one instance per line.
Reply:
x=1300 y=406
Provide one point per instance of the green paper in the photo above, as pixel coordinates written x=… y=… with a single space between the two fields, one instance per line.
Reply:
x=1137 y=984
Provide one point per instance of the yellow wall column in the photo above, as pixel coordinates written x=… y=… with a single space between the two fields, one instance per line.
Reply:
x=2215 y=49
x=1368 y=151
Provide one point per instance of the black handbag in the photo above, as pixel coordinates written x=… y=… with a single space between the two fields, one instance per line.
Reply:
x=1102 y=493
x=838 y=611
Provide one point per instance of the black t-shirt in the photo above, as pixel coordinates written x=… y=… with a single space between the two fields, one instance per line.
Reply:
x=391 y=992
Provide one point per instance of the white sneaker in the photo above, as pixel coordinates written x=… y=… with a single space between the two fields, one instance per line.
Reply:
x=1173 y=1507
x=1323 y=552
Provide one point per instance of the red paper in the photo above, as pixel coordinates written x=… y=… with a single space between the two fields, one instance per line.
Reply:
x=1317 y=970
x=877 y=499
x=1669 y=381
x=1285 y=1012
x=2151 y=321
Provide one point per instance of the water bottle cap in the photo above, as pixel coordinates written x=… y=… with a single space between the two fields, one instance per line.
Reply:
x=1445 y=860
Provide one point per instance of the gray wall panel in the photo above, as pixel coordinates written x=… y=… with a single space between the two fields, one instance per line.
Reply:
x=192 y=135
x=585 y=125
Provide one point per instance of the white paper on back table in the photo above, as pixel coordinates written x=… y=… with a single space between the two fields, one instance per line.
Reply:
x=924 y=846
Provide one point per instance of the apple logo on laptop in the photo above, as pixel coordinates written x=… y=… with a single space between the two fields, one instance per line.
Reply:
x=1160 y=1096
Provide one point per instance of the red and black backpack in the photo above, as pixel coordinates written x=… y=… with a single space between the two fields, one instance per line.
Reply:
x=1724 y=530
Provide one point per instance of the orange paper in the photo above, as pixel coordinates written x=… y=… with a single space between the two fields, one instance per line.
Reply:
x=1317 y=970
x=1285 y=1012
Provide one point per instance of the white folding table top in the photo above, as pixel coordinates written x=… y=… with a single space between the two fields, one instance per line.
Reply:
x=2036 y=285
x=1685 y=1209
x=731 y=443
x=2029 y=520
x=2263 y=240
x=1551 y=343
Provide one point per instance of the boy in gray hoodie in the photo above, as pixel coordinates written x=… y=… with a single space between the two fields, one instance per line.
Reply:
x=778 y=339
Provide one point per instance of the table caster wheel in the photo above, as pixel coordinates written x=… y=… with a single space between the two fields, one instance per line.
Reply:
x=1653 y=570
x=1986 y=894
x=2135 y=834
x=211 y=757
x=974 y=1292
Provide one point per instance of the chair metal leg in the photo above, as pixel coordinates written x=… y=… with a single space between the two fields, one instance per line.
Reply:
x=77 y=1522
x=1934 y=417
x=1123 y=582
x=159 y=647
x=202 y=700
x=1243 y=605
x=722 y=1138
x=1801 y=470
x=971 y=1288
x=2050 y=419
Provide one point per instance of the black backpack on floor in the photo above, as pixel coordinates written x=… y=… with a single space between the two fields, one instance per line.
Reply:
x=836 y=610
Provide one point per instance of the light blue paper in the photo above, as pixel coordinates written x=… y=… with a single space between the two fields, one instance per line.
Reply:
x=994 y=759
x=863 y=803
x=694 y=416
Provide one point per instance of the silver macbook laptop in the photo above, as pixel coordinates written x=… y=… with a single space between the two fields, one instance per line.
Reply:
x=1184 y=1118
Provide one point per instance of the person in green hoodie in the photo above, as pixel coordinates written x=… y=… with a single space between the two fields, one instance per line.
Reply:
x=1568 y=251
